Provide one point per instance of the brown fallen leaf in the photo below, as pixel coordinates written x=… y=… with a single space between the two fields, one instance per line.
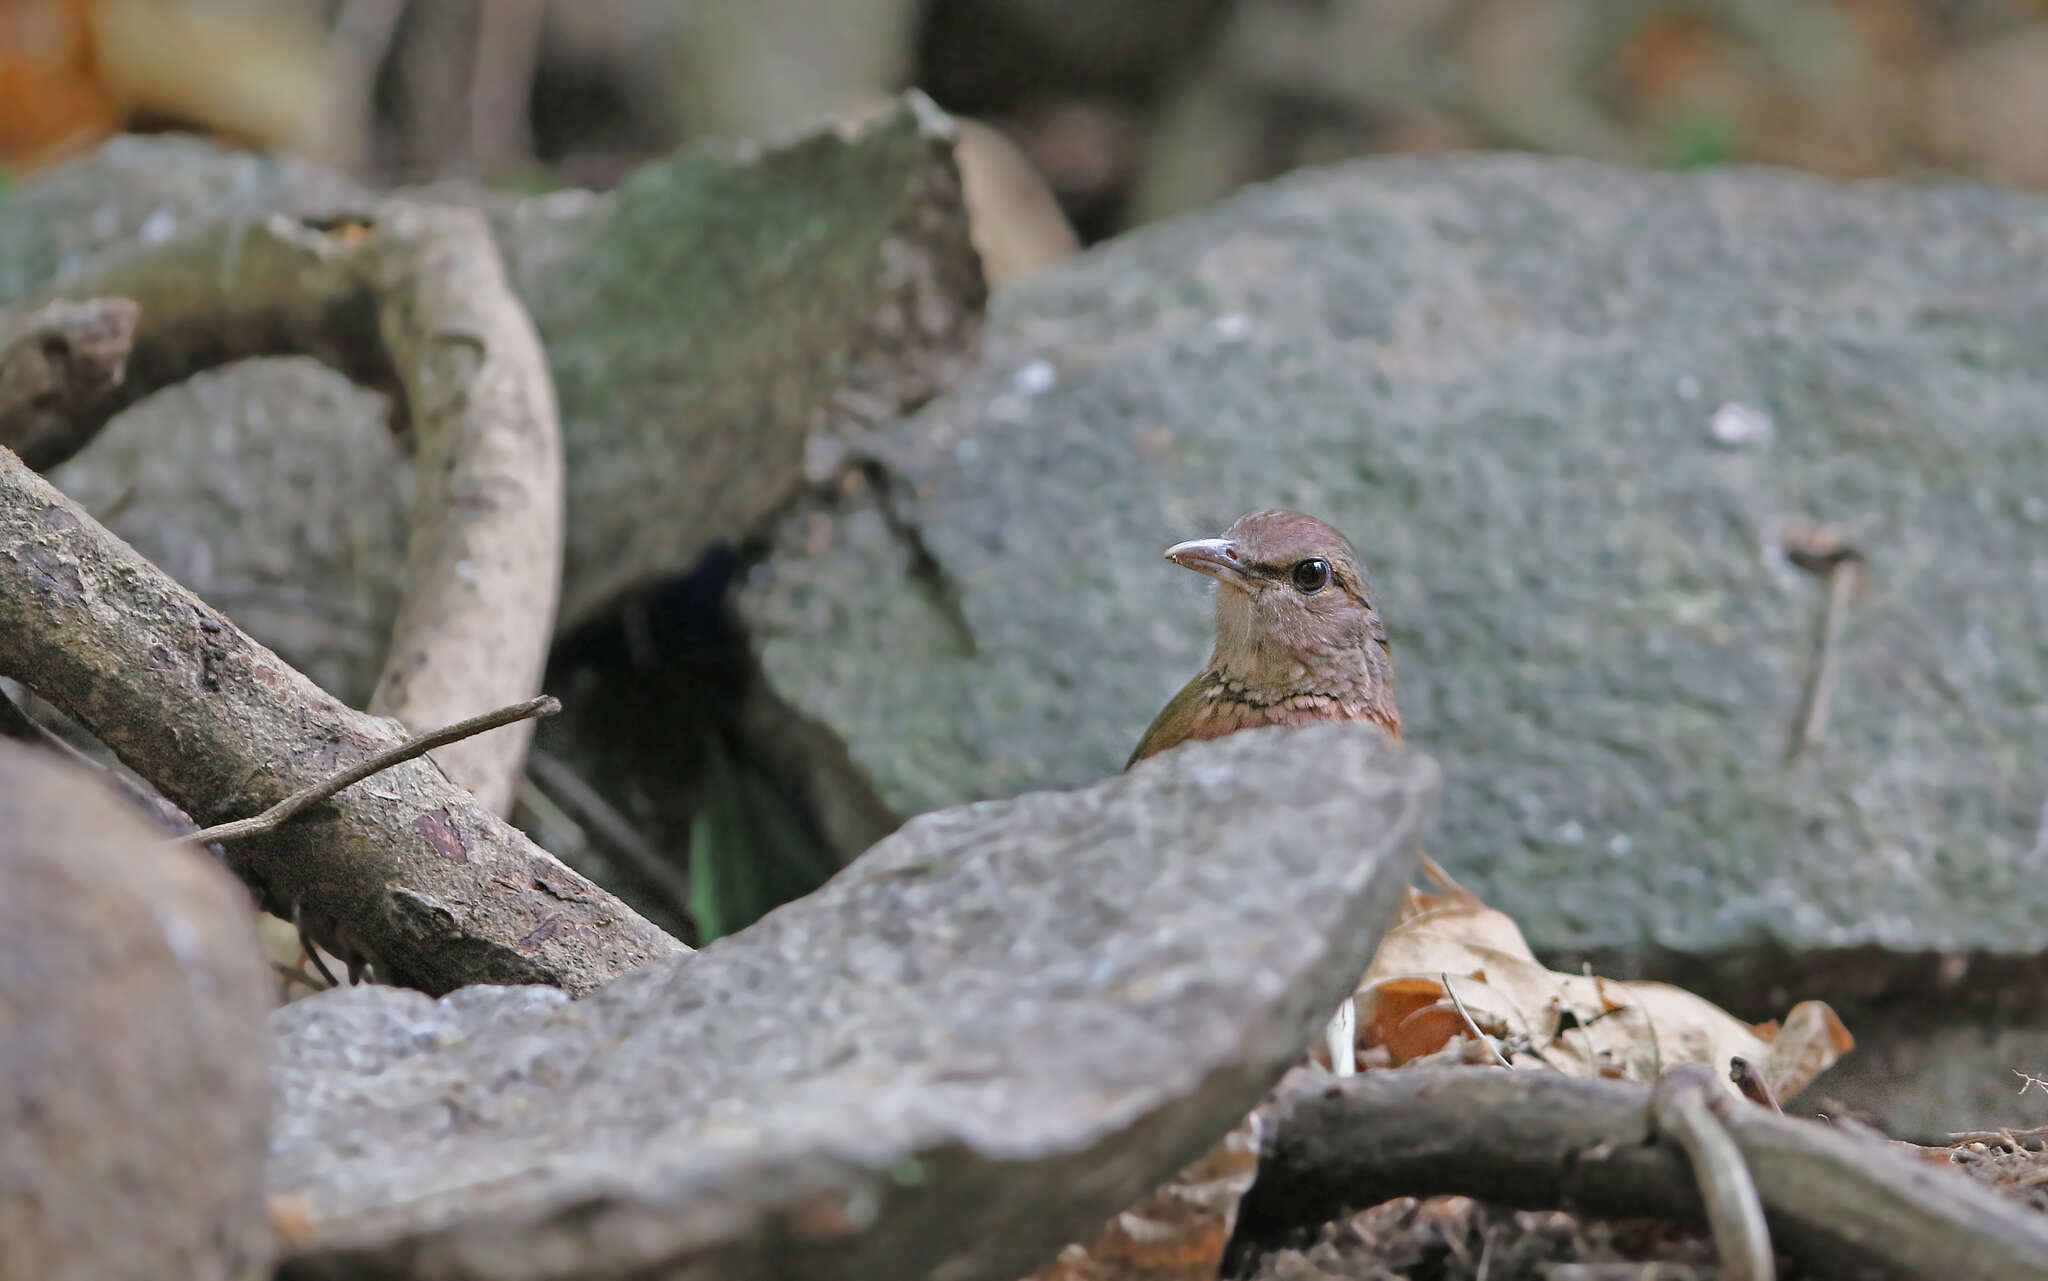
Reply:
x=1178 y=1231
x=1453 y=969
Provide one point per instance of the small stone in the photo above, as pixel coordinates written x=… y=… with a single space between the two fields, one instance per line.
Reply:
x=1737 y=426
x=1035 y=379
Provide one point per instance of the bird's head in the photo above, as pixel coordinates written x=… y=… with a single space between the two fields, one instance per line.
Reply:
x=1294 y=608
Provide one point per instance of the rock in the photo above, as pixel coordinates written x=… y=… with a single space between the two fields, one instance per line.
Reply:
x=133 y=1048
x=1500 y=375
x=724 y=316
x=274 y=490
x=718 y=328
x=991 y=1032
x=138 y=191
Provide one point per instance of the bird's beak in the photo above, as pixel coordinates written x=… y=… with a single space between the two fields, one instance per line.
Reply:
x=1216 y=557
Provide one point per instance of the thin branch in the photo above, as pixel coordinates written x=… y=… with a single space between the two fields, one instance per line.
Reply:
x=288 y=808
x=1683 y=1103
x=1542 y=1140
x=1821 y=552
x=2014 y=1137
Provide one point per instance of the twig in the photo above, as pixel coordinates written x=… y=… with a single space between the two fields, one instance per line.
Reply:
x=1682 y=1105
x=1466 y=1015
x=288 y=808
x=1821 y=552
x=1752 y=1084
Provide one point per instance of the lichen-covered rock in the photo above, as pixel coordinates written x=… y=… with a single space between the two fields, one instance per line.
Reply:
x=1570 y=414
x=133 y=1047
x=995 y=1029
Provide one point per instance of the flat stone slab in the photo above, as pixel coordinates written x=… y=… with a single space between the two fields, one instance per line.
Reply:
x=995 y=1029
x=1570 y=415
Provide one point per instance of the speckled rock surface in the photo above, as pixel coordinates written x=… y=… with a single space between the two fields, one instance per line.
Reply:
x=132 y=1043
x=995 y=1029
x=1569 y=414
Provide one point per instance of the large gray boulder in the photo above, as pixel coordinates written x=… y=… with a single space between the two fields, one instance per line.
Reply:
x=995 y=1029
x=1570 y=414
x=133 y=1048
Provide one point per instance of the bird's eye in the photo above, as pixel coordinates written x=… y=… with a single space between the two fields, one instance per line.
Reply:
x=1311 y=575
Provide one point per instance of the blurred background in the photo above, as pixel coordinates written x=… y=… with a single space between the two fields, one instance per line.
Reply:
x=1129 y=111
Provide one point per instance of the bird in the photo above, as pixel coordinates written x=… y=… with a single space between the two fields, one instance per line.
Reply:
x=1298 y=641
x=1298 y=636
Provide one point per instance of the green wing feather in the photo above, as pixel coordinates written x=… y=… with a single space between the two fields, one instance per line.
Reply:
x=1169 y=728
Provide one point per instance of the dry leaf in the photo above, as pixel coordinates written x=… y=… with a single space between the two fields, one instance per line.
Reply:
x=1448 y=950
x=1177 y=1233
